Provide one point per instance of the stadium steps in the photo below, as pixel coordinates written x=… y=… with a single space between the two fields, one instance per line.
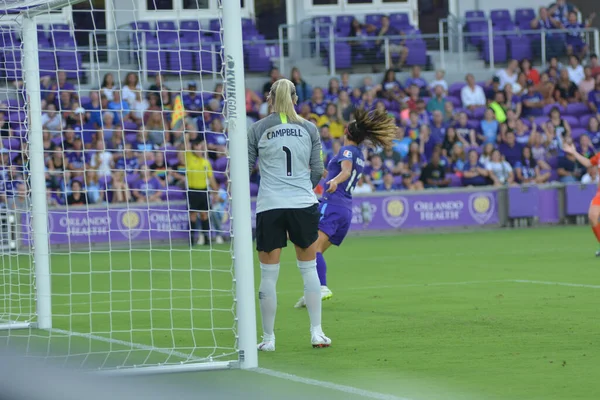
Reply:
x=471 y=60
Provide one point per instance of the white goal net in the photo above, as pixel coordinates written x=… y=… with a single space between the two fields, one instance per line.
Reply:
x=116 y=206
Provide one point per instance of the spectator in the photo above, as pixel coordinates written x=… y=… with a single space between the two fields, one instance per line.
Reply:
x=489 y=128
x=413 y=127
x=317 y=102
x=401 y=142
x=450 y=140
x=486 y=154
x=494 y=88
x=356 y=97
x=149 y=189
x=120 y=108
x=433 y=174
x=131 y=85
x=587 y=84
x=585 y=147
x=332 y=120
x=520 y=88
x=533 y=103
x=558 y=126
x=464 y=132
x=437 y=102
x=368 y=102
x=510 y=149
x=94 y=109
x=138 y=108
x=396 y=47
x=102 y=160
x=458 y=159
x=360 y=32
x=595 y=65
x=474 y=172
x=368 y=85
x=593 y=98
x=569 y=170
x=128 y=162
x=216 y=140
x=560 y=11
x=303 y=90
x=155 y=128
x=438 y=127
x=566 y=91
x=108 y=125
x=527 y=170
x=77 y=197
x=575 y=44
x=390 y=86
x=512 y=101
x=422 y=113
x=439 y=81
x=544 y=21
x=509 y=74
x=345 y=83
x=375 y=172
x=344 y=107
x=498 y=106
x=413 y=97
x=500 y=171
x=532 y=74
x=193 y=102
x=472 y=95
x=539 y=150
x=575 y=70
x=413 y=164
x=92 y=187
x=427 y=143
x=591 y=176
x=158 y=85
x=118 y=190
x=522 y=133
x=275 y=75
x=108 y=86
x=392 y=161
x=593 y=132
x=417 y=80
x=51 y=120
x=362 y=187
x=388 y=184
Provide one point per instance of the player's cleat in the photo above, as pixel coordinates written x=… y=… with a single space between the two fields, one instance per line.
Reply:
x=219 y=239
x=319 y=340
x=326 y=294
x=267 y=344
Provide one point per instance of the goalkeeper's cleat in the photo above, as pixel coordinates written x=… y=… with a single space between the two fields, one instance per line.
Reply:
x=326 y=294
x=267 y=344
x=318 y=339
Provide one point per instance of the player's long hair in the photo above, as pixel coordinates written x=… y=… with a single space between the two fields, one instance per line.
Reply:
x=282 y=98
x=376 y=126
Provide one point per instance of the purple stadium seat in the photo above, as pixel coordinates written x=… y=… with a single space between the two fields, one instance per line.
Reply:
x=130 y=137
x=474 y=14
x=456 y=101
x=584 y=120
x=573 y=121
x=500 y=53
x=577 y=133
x=173 y=193
x=11 y=144
x=524 y=16
x=342 y=24
x=539 y=121
x=478 y=113
x=189 y=26
x=577 y=109
x=373 y=19
x=549 y=107
x=455 y=180
x=474 y=124
x=168 y=26
x=248 y=24
x=526 y=122
x=258 y=59
x=221 y=164
x=520 y=47
x=417 y=52
x=477 y=32
x=500 y=16
x=343 y=55
x=455 y=88
x=399 y=20
x=70 y=61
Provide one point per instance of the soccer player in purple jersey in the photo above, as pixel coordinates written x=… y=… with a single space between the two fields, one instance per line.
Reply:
x=345 y=169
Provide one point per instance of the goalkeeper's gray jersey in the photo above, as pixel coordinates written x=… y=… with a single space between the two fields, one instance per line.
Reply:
x=289 y=162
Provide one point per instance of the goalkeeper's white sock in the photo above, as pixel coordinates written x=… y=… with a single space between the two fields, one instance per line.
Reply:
x=267 y=294
x=312 y=291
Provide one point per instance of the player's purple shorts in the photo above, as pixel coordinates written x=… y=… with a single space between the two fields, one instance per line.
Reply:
x=335 y=222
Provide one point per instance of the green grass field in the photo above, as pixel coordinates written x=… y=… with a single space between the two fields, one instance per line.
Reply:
x=472 y=315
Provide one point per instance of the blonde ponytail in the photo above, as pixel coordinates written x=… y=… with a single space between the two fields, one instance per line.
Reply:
x=282 y=98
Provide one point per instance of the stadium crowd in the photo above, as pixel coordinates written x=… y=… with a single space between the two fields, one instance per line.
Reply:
x=126 y=143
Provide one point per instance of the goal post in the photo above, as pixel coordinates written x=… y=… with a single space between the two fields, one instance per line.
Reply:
x=114 y=284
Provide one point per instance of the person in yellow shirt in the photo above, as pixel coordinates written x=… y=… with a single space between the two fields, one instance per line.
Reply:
x=332 y=118
x=200 y=180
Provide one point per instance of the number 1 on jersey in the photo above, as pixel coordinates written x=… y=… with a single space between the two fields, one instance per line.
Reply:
x=353 y=178
x=288 y=160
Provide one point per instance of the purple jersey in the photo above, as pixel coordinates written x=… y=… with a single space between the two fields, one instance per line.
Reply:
x=343 y=194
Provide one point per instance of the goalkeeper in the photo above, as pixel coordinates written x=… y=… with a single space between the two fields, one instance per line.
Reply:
x=288 y=149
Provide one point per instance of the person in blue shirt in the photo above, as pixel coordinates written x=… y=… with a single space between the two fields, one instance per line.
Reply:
x=474 y=172
x=343 y=172
x=416 y=79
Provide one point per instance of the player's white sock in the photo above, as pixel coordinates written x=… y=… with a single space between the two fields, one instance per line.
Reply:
x=312 y=291
x=267 y=295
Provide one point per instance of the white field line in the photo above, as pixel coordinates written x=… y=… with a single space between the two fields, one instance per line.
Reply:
x=328 y=385
x=579 y=285
x=276 y=374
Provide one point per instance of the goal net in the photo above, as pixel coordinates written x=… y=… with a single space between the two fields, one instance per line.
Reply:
x=123 y=164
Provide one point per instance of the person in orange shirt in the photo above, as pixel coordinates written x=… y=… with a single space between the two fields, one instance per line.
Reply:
x=594 y=211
